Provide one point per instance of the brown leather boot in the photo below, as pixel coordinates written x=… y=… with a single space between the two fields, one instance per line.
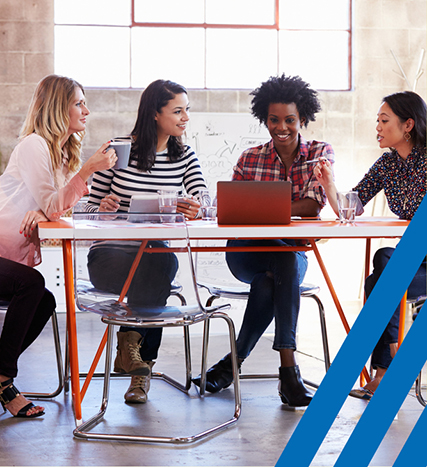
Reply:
x=139 y=387
x=128 y=359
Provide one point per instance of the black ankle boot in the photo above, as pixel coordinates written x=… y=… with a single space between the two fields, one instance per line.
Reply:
x=219 y=376
x=291 y=387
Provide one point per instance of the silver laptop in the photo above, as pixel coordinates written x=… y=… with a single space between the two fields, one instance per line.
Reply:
x=254 y=202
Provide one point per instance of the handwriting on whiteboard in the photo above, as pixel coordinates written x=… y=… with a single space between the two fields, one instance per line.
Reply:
x=219 y=138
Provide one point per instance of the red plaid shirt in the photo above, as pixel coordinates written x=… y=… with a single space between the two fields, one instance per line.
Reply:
x=263 y=163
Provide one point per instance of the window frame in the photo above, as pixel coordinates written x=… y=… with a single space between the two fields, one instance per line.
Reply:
x=206 y=26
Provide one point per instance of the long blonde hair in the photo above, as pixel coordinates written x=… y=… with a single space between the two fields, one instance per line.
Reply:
x=48 y=117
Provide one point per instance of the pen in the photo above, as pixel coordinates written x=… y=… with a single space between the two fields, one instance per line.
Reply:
x=316 y=160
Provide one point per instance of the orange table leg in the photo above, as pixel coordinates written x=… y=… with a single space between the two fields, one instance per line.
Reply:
x=402 y=317
x=72 y=329
x=334 y=297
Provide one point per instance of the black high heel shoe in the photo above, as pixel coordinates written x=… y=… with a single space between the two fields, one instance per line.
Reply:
x=219 y=376
x=8 y=393
x=292 y=390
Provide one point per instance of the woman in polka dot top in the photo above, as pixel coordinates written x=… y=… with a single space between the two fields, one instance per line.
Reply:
x=401 y=173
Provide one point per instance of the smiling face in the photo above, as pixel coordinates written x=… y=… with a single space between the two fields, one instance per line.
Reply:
x=78 y=112
x=173 y=117
x=284 y=124
x=390 y=130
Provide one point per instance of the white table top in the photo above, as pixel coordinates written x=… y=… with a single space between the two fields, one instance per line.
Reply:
x=364 y=227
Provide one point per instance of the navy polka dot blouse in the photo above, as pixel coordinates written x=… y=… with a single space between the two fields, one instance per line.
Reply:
x=404 y=182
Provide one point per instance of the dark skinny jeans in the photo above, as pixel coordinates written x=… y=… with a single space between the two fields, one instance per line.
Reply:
x=275 y=279
x=109 y=267
x=30 y=307
x=381 y=357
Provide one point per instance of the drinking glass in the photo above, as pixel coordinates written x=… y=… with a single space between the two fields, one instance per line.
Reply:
x=167 y=203
x=347 y=203
x=207 y=199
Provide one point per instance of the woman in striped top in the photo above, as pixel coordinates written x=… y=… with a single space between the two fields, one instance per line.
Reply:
x=159 y=160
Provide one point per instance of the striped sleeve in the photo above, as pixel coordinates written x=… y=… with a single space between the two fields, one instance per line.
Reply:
x=101 y=186
x=193 y=179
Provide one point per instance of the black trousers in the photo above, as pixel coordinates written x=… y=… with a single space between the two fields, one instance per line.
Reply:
x=30 y=307
x=381 y=357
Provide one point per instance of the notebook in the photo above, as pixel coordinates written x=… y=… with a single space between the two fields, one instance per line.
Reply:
x=254 y=202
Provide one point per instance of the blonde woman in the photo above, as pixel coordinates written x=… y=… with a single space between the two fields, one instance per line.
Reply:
x=42 y=181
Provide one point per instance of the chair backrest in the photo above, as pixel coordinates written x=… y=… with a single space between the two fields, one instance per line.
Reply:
x=126 y=228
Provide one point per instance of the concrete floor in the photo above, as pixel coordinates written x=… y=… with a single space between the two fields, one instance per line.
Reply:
x=257 y=439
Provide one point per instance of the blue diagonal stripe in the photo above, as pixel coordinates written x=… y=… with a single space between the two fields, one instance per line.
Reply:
x=388 y=398
x=358 y=345
x=414 y=453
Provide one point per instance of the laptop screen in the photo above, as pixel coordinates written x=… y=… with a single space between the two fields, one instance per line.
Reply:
x=254 y=202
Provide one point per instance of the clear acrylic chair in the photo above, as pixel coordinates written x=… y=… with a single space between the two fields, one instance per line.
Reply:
x=116 y=311
x=58 y=354
x=215 y=277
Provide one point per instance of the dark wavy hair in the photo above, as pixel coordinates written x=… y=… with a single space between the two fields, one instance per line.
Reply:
x=144 y=133
x=408 y=104
x=285 y=90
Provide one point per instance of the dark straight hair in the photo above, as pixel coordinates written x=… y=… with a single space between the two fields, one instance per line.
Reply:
x=144 y=134
x=408 y=104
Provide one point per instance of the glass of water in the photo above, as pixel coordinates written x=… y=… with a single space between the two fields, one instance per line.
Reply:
x=168 y=201
x=347 y=203
x=207 y=199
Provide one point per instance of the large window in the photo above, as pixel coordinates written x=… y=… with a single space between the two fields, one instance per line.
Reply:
x=215 y=44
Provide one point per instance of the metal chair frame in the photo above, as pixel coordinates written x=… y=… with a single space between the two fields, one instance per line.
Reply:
x=60 y=368
x=242 y=293
x=416 y=305
x=176 y=290
x=118 y=313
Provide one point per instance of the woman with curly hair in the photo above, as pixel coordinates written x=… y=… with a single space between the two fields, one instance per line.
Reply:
x=44 y=179
x=284 y=104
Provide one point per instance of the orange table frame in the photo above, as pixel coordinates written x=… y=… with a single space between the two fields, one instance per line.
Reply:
x=63 y=230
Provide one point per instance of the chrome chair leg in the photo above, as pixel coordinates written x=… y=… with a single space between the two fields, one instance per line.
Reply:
x=82 y=430
x=418 y=393
x=59 y=365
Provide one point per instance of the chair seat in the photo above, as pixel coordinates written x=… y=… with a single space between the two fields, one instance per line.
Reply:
x=112 y=310
x=242 y=291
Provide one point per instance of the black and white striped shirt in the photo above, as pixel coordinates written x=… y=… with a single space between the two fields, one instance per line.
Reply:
x=182 y=175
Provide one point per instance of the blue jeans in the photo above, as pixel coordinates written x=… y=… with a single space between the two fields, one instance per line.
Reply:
x=381 y=357
x=275 y=278
x=108 y=269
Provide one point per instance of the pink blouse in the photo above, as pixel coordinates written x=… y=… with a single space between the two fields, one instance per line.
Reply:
x=30 y=183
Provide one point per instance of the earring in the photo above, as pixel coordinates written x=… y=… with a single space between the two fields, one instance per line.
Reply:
x=407 y=136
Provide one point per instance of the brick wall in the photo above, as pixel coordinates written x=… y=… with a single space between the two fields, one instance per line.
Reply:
x=26 y=55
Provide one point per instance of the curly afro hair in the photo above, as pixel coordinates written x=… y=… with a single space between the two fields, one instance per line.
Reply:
x=285 y=90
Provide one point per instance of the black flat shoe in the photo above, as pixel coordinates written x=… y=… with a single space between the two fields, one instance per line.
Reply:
x=219 y=376
x=8 y=393
x=292 y=390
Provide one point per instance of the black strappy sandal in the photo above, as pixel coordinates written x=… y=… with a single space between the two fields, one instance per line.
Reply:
x=8 y=393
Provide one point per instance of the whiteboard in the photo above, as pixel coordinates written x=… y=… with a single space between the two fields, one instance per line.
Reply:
x=218 y=139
